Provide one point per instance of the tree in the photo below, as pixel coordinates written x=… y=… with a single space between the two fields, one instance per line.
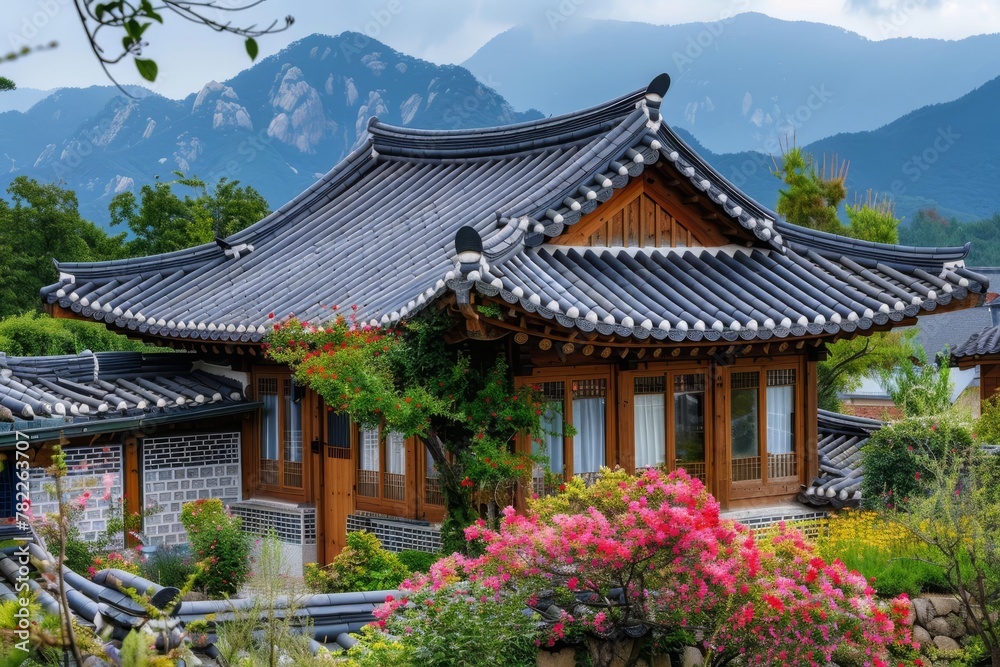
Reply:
x=32 y=335
x=43 y=224
x=919 y=388
x=163 y=222
x=811 y=200
x=812 y=197
x=116 y=29
x=6 y=84
x=456 y=398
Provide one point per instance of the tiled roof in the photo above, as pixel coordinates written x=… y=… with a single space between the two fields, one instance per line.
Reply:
x=46 y=391
x=981 y=343
x=840 y=471
x=378 y=232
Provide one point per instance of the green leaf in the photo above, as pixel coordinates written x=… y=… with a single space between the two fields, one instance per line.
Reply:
x=251 y=44
x=147 y=68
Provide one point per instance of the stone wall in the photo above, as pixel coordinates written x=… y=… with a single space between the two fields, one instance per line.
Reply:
x=180 y=468
x=939 y=620
x=397 y=534
x=90 y=468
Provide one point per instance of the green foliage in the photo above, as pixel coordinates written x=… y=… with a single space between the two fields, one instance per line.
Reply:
x=929 y=228
x=42 y=223
x=897 y=458
x=163 y=222
x=363 y=565
x=812 y=197
x=458 y=398
x=33 y=334
x=874 y=219
x=957 y=514
x=135 y=650
x=418 y=561
x=218 y=541
x=919 y=388
x=7 y=84
x=169 y=566
x=850 y=360
x=987 y=427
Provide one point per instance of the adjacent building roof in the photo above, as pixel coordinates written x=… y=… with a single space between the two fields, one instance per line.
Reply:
x=96 y=392
x=378 y=233
x=985 y=343
x=841 y=438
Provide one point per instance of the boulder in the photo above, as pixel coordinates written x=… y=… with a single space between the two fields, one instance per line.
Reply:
x=946 y=605
x=925 y=612
x=692 y=657
x=946 y=643
x=911 y=616
x=921 y=636
x=939 y=626
x=564 y=658
x=957 y=624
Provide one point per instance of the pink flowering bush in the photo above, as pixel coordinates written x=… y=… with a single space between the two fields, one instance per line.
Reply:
x=634 y=564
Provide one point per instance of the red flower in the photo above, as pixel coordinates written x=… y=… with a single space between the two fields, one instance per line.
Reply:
x=270 y=316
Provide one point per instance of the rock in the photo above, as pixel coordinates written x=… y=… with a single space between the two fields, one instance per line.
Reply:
x=563 y=658
x=925 y=611
x=911 y=617
x=662 y=660
x=946 y=605
x=692 y=657
x=946 y=643
x=957 y=624
x=939 y=626
x=921 y=636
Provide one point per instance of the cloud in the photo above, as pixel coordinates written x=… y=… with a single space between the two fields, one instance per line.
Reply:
x=885 y=7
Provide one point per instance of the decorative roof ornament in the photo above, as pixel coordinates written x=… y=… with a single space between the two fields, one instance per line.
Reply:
x=468 y=249
x=655 y=91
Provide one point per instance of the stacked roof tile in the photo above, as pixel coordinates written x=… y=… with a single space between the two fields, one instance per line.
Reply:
x=841 y=438
x=107 y=385
x=982 y=343
x=377 y=232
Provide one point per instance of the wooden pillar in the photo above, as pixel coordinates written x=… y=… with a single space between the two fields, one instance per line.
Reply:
x=314 y=437
x=810 y=451
x=131 y=482
x=722 y=469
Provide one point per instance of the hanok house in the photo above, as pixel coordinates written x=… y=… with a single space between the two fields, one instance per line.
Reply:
x=982 y=350
x=671 y=319
x=158 y=429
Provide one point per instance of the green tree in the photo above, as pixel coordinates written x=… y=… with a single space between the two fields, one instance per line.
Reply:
x=919 y=388
x=812 y=197
x=6 y=84
x=458 y=399
x=32 y=335
x=42 y=224
x=161 y=221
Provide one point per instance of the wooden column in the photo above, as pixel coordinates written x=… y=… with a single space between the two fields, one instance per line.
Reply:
x=131 y=482
x=721 y=468
x=810 y=451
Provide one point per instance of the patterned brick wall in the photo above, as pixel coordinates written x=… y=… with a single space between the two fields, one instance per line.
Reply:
x=181 y=468
x=89 y=469
x=295 y=526
x=397 y=534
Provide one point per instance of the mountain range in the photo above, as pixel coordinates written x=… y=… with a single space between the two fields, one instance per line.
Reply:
x=276 y=126
x=741 y=83
x=290 y=117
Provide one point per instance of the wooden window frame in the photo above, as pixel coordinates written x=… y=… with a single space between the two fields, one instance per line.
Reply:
x=765 y=486
x=380 y=504
x=567 y=375
x=627 y=417
x=280 y=492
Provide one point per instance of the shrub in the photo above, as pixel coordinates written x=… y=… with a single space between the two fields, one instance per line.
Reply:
x=169 y=566
x=895 y=457
x=217 y=539
x=649 y=557
x=363 y=565
x=418 y=561
x=118 y=560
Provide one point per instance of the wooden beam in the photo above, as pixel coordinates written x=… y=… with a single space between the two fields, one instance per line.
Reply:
x=568 y=348
x=606 y=352
x=545 y=344
x=588 y=350
x=520 y=338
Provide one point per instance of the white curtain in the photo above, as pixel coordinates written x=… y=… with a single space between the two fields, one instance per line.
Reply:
x=432 y=471
x=369 y=450
x=588 y=443
x=293 y=430
x=269 y=426
x=650 y=430
x=395 y=446
x=780 y=405
x=552 y=425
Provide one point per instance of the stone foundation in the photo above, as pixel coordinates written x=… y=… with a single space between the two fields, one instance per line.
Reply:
x=397 y=534
x=939 y=620
x=295 y=526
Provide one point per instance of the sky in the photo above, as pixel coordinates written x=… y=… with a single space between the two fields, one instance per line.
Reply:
x=442 y=31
